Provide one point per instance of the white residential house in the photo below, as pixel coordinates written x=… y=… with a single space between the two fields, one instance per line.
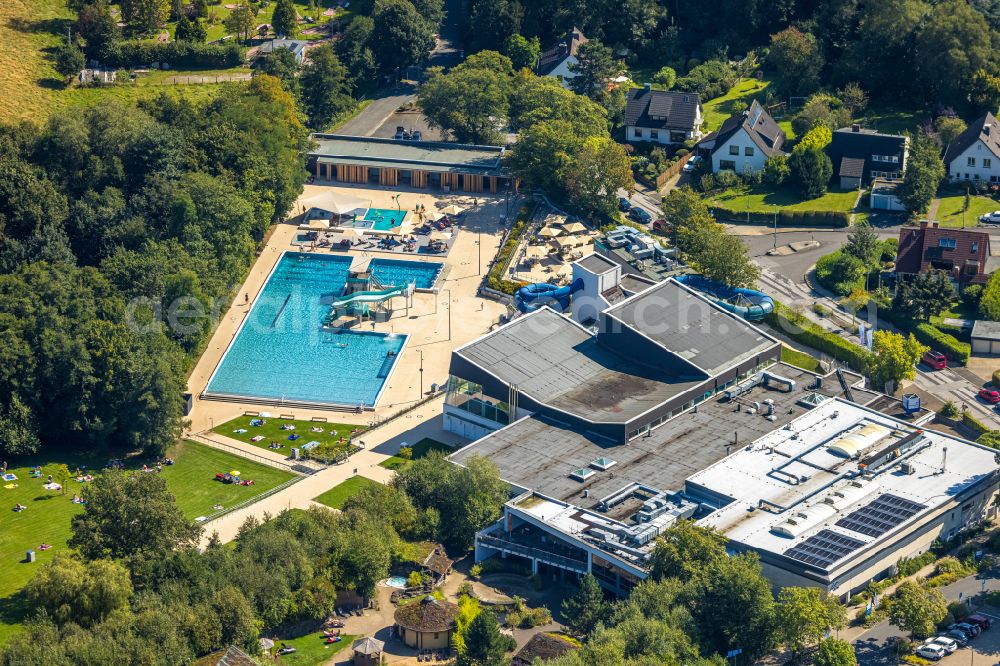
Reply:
x=975 y=153
x=556 y=61
x=662 y=116
x=744 y=142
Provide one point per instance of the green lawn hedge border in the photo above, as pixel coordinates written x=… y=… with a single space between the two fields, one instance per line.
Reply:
x=974 y=424
x=800 y=329
x=786 y=218
x=179 y=55
x=930 y=335
x=495 y=279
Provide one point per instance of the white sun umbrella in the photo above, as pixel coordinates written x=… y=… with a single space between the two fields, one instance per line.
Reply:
x=452 y=210
x=439 y=236
x=359 y=234
x=433 y=216
x=340 y=203
x=574 y=228
x=549 y=232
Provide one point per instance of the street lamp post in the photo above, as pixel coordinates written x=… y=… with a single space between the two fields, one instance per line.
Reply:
x=479 y=262
x=421 y=372
x=775 y=226
x=449 y=313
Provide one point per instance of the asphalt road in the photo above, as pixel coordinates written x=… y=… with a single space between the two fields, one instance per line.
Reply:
x=872 y=649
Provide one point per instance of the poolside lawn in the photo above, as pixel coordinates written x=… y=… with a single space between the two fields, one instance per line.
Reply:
x=736 y=101
x=311 y=649
x=420 y=449
x=334 y=434
x=949 y=212
x=336 y=496
x=192 y=478
x=47 y=518
x=768 y=199
x=799 y=359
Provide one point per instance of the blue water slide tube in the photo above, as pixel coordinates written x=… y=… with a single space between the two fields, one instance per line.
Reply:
x=750 y=304
x=533 y=296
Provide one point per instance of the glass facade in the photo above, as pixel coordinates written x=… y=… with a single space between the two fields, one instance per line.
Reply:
x=469 y=397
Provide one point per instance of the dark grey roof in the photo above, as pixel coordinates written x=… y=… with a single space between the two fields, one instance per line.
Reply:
x=985 y=129
x=424 y=155
x=538 y=453
x=852 y=167
x=597 y=264
x=560 y=364
x=368 y=646
x=681 y=321
x=661 y=109
x=635 y=283
x=758 y=125
x=988 y=330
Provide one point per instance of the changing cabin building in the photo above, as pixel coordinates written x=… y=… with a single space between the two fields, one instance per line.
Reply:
x=668 y=408
x=452 y=167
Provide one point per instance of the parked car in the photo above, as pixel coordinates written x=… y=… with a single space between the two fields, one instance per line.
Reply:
x=932 y=652
x=949 y=644
x=991 y=218
x=980 y=621
x=971 y=630
x=958 y=636
x=662 y=226
x=640 y=216
x=992 y=396
x=934 y=360
x=692 y=164
x=624 y=204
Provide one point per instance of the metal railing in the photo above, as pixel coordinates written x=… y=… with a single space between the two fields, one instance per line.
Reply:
x=250 y=500
x=535 y=553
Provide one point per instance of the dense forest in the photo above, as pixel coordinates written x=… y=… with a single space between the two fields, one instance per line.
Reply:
x=947 y=48
x=123 y=231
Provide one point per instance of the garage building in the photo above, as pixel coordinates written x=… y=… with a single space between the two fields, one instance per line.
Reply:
x=986 y=337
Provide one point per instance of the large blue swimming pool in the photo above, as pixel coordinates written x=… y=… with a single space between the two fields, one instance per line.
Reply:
x=282 y=352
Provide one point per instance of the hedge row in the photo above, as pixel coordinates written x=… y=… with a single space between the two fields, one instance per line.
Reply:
x=812 y=335
x=930 y=335
x=973 y=424
x=179 y=55
x=495 y=279
x=786 y=218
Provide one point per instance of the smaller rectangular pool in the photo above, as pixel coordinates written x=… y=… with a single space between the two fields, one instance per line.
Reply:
x=384 y=219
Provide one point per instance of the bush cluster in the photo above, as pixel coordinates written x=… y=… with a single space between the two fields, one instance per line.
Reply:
x=797 y=327
x=179 y=55
x=787 y=218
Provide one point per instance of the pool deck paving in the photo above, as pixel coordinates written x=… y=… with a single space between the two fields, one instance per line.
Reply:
x=429 y=346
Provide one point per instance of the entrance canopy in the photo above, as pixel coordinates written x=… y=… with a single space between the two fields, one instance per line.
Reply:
x=337 y=202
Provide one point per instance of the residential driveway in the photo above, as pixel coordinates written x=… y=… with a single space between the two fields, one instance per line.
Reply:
x=375 y=114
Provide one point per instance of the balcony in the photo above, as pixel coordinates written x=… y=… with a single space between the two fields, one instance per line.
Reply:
x=548 y=557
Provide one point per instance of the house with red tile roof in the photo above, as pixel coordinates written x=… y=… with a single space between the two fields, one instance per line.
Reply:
x=964 y=254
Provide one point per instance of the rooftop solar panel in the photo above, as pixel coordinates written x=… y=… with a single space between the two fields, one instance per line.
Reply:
x=824 y=548
x=886 y=512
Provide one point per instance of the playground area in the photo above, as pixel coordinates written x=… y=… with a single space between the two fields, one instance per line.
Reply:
x=547 y=250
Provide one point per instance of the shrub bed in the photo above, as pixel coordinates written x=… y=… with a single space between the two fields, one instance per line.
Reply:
x=797 y=327
x=974 y=424
x=930 y=335
x=787 y=218
x=495 y=279
x=179 y=55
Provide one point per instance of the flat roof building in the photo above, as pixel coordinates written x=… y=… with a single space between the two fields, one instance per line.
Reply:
x=450 y=166
x=669 y=408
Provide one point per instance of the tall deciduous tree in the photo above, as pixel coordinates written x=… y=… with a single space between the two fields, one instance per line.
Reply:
x=924 y=172
x=917 y=609
x=805 y=614
x=925 y=295
x=893 y=357
x=595 y=66
x=145 y=15
x=401 y=36
x=325 y=86
x=69 y=59
x=130 y=516
x=71 y=590
x=472 y=100
x=835 y=652
x=240 y=21
x=599 y=169
x=955 y=42
x=523 y=52
x=796 y=57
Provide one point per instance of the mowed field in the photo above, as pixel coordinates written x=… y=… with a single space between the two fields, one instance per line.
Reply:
x=28 y=28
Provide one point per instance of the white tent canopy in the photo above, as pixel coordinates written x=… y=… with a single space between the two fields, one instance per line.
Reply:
x=336 y=202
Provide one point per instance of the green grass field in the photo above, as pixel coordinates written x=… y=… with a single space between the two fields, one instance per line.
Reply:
x=735 y=101
x=765 y=198
x=47 y=518
x=799 y=359
x=312 y=649
x=333 y=433
x=336 y=496
x=949 y=212
x=420 y=449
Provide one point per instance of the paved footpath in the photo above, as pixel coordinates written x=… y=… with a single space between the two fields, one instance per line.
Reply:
x=380 y=443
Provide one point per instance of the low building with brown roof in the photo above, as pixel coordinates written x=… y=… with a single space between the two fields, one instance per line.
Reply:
x=426 y=624
x=368 y=651
x=964 y=254
x=544 y=646
x=437 y=565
